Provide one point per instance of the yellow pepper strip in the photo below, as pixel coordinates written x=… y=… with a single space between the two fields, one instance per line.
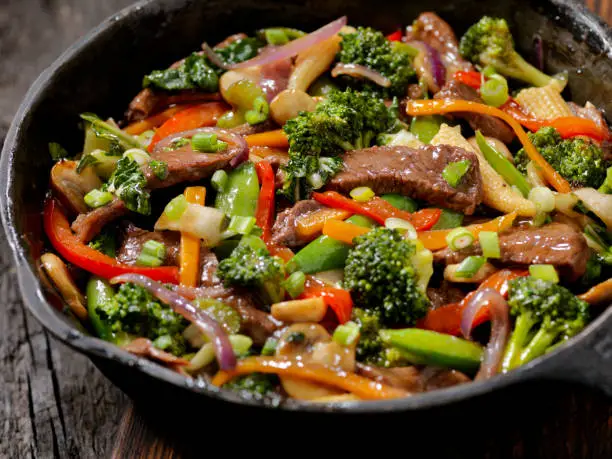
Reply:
x=190 y=245
x=436 y=239
x=363 y=388
x=434 y=107
x=310 y=225
x=343 y=231
x=272 y=139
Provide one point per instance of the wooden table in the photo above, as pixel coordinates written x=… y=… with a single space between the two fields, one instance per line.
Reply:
x=55 y=403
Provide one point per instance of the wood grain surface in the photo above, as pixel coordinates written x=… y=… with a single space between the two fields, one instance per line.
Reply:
x=55 y=403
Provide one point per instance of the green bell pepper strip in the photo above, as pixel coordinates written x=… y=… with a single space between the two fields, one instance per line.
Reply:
x=448 y=220
x=401 y=202
x=239 y=195
x=99 y=292
x=436 y=348
x=503 y=166
x=325 y=253
x=426 y=127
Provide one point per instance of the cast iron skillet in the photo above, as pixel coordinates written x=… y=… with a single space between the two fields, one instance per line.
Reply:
x=104 y=70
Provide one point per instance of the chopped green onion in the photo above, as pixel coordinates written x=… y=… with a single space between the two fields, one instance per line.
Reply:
x=231 y=119
x=178 y=143
x=347 y=334
x=489 y=242
x=543 y=198
x=96 y=198
x=469 y=267
x=454 y=172
x=138 y=155
x=426 y=127
x=146 y=137
x=489 y=71
x=494 y=92
x=402 y=226
x=401 y=202
x=546 y=273
x=259 y=112
x=175 y=208
x=269 y=347
x=294 y=284
x=150 y=261
x=207 y=142
x=241 y=344
x=163 y=342
x=155 y=249
x=459 y=238
x=362 y=193
x=219 y=180
x=57 y=152
x=241 y=225
x=276 y=36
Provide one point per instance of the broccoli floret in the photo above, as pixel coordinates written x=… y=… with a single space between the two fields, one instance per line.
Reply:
x=105 y=242
x=344 y=121
x=195 y=72
x=546 y=315
x=134 y=311
x=129 y=184
x=251 y=265
x=380 y=275
x=240 y=50
x=371 y=349
x=580 y=162
x=606 y=186
x=489 y=43
x=370 y=48
x=257 y=386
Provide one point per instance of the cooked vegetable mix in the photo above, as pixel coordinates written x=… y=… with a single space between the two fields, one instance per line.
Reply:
x=345 y=209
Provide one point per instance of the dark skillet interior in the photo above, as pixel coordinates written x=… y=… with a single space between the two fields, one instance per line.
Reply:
x=104 y=71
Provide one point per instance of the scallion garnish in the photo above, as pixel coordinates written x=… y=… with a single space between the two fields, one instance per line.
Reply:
x=454 y=172
x=489 y=242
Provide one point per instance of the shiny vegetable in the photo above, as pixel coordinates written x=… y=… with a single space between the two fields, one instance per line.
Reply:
x=264 y=212
x=240 y=194
x=190 y=245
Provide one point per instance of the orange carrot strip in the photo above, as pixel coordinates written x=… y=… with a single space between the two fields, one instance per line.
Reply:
x=138 y=127
x=434 y=107
x=362 y=387
x=190 y=245
x=343 y=231
x=275 y=138
x=311 y=224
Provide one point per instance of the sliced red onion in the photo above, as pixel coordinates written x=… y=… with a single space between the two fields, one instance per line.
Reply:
x=233 y=139
x=209 y=326
x=361 y=71
x=500 y=328
x=438 y=71
x=294 y=47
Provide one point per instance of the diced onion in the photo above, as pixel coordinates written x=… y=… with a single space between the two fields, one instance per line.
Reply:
x=199 y=221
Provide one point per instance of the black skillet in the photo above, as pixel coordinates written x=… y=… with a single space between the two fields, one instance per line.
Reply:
x=104 y=70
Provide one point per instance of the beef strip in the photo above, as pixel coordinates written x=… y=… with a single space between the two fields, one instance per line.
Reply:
x=444 y=294
x=248 y=129
x=284 y=231
x=435 y=32
x=88 y=225
x=134 y=238
x=413 y=379
x=149 y=101
x=415 y=172
x=557 y=244
x=488 y=125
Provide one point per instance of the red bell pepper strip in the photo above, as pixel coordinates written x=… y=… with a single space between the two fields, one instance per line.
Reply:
x=447 y=318
x=337 y=299
x=265 y=203
x=567 y=126
x=395 y=36
x=472 y=79
x=68 y=246
x=191 y=118
x=379 y=210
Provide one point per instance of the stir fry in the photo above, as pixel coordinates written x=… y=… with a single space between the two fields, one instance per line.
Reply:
x=343 y=215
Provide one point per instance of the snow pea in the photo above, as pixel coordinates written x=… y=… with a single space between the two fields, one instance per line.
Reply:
x=239 y=195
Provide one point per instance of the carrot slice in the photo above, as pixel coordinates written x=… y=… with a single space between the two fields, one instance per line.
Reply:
x=343 y=231
x=311 y=224
x=275 y=138
x=190 y=245
x=138 y=127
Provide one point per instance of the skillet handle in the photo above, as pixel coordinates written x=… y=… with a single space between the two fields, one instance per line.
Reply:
x=590 y=361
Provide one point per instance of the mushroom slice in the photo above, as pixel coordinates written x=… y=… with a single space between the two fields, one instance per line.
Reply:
x=72 y=186
x=289 y=103
x=58 y=275
x=310 y=343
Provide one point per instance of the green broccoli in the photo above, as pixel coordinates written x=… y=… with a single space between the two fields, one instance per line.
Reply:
x=546 y=315
x=578 y=161
x=105 y=242
x=489 y=43
x=240 y=50
x=370 y=48
x=371 y=349
x=255 y=386
x=129 y=183
x=344 y=121
x=606 y=186
x=251 y=265
x=599 y=264
x=134 y=311
x=381 y=277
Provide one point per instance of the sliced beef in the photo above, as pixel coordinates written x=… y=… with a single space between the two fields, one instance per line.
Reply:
x=444 y=294
x=134 y=238
x=413 y=379
x=557 y=244
x=143 y=347
x=435 y=32
x=248 y=129
x=415 y=172
x=87 y=225
x=284 y=231
x=488 y=125
x=148 y=101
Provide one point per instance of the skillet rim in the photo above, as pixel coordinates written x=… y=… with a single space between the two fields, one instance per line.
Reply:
x=34 y=299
